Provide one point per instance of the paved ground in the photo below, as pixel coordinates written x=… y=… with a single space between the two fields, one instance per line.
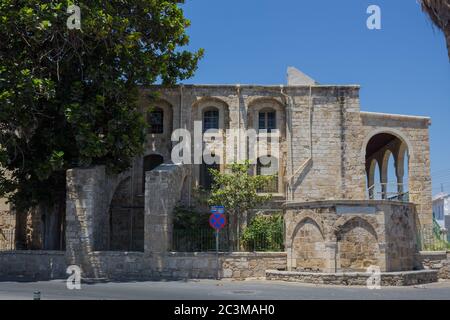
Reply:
x=216 y=290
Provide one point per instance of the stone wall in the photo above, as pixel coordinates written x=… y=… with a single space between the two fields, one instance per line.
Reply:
x=108 y=265
x=435 y=260
x=32 y=265
x=414 y=132
x=238 y=265
x=406 y=278
x=323 y=143
x=325 y=127
x=323 y=135
x=85 y=209
x=301 y=115
x=7 y=230
x=3 y=205
x=116 y=266
x=332 y=236
x=163 y=191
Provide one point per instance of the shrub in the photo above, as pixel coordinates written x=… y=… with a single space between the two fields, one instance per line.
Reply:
x=264 y=233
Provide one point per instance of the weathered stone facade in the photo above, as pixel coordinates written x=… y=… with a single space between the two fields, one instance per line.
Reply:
x=350 y=235
x=406 y=278
x=32 y=265
x=7 y=229
x=435 y=260
x=326 y=163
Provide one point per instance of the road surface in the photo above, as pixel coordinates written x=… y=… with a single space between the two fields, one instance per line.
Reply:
x=215 y=290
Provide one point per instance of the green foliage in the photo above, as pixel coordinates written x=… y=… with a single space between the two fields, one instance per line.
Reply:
x=237 y=189
x=192 y=232
x=431 y=238
x=189 y=218
x=265 y=233
x=68 y=98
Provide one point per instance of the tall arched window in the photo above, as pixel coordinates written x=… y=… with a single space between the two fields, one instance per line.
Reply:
x=210 y=119
x=268 y=168
x=155 y=120
x=267 y=120
x=150 y=162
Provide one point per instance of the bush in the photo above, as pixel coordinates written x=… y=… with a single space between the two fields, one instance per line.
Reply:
x=188 y=218
x=192 y=232
x=265 y=233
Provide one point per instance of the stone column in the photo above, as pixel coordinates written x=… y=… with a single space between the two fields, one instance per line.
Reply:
x=85 y=190
x=420 y=188
x=371 y=181
x=400 y=172
x=331 y=250
x=163 y=188
x=384 y=178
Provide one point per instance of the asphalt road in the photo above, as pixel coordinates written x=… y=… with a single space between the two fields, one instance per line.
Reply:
x=215 y=290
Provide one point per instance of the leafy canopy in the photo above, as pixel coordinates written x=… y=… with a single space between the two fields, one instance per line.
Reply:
x=237 y=189
x=68 y=98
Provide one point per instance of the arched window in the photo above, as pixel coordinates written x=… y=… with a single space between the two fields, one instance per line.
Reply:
x=210 y=119
x=155 y=120
x=206 y=178
x=392 y=154
x=268 y=167
x=267 y=120
x=150 y=162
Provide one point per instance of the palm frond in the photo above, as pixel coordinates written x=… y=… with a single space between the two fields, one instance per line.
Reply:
x=439 y=13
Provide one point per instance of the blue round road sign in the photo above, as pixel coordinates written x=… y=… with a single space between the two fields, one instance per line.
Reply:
x=217 y=221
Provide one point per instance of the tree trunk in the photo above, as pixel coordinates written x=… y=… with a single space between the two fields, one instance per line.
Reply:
x=231 y=232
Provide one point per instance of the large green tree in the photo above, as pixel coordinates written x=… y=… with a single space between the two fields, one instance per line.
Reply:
x=68 y=97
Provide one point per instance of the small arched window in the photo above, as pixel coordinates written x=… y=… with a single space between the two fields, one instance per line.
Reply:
x=211 y=119
x=155 y=120
x=267 y=120
x=150 y=162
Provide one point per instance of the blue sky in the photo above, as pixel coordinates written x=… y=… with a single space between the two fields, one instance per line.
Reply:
x=402 y=68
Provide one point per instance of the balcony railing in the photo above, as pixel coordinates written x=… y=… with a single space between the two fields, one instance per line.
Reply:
x=380 y=191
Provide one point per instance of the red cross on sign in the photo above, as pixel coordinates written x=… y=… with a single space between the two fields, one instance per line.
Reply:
x=217 y=221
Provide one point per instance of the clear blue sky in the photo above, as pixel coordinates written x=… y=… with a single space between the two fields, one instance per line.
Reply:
x=402 y=68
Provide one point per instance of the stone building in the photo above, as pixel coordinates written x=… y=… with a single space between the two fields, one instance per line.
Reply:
x=7 y=226
x=441 y=208
x=335 y=217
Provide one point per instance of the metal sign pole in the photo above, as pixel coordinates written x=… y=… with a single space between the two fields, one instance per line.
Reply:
x=217 y=253
x=217 y=221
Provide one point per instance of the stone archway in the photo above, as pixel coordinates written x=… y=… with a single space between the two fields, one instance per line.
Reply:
x=126 y=220
x=308 y=246
x=357 y=245
x=380 y=148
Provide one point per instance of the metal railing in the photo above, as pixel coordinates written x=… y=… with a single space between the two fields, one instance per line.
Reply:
x=200 y=240
x=7 y=239
x=384 y=194
x=265 y=243
x=204 y=240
